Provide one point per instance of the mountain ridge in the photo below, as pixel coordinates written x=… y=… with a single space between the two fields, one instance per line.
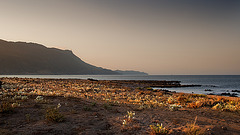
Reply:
x=31 y=58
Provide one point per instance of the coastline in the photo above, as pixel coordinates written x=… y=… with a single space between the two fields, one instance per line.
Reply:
x=217 y=84
x=112 y=100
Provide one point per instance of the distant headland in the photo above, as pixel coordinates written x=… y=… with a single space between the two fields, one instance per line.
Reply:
x=22 y=58
x=131 y=72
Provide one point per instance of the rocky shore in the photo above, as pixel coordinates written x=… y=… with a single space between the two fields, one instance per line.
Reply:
x=75 y=106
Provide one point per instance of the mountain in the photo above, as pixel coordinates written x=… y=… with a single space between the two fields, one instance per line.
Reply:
x=130 y=72
x=21 y=58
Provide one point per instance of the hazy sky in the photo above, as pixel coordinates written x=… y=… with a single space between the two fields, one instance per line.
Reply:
x=157 y=37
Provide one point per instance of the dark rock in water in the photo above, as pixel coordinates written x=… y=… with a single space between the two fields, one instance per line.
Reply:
x=238 y=91
x=90 y=79
x=208 y=90
x=165 y=90
x=210 y=85
x=229 y=94
x=225 y=94
x=211 y=94
x=234 y=95
x=191 y=85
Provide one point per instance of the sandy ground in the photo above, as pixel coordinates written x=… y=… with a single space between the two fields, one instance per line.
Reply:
x=88 y=115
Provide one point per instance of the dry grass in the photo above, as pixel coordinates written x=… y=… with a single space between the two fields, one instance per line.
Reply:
x=18 y=93
x=194 y=129
x=54 y=115
x=158 y=130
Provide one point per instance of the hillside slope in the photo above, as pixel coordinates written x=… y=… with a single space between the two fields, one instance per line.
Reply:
x=31 y=58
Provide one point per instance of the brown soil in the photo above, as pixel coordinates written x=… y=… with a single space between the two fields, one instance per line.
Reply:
x=89 y=116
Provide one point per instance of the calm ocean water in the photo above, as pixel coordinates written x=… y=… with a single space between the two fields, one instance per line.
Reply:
x=217 y=83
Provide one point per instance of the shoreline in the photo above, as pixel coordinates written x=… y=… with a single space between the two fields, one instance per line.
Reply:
x=138 y=85
x=87 y=105
x=227 y=85
x=159 y=84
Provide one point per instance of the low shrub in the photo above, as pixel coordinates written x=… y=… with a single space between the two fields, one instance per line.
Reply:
x=28 y=117
x=93 y=104
x=171 y=100
x=158 y=130
x=130 y=115
x=174 y=107
x=199 y=95
x=225 y=107
x=6 y=107
x=230 y=108
x=196 y=104
x=182 y=99
x=217 y=107
x=193 y=129
x=107 y=106
x=87 y=108
x=53 y=114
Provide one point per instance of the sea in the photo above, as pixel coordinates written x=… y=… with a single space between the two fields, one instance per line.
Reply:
x=210 y=84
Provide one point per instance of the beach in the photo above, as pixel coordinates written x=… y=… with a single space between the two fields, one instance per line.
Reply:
x=89 y=106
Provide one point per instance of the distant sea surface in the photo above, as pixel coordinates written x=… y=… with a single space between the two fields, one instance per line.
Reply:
x=217 y=83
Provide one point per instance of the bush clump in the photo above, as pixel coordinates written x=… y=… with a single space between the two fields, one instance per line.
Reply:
x=53 y=114
x=6 y=107
x=158 y=130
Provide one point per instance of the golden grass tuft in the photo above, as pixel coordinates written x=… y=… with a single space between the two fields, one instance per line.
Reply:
x=193 y=129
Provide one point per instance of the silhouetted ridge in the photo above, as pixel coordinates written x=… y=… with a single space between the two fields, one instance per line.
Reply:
x=130 y=72
x=32 y=58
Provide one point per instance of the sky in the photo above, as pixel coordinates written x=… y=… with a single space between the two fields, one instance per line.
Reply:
x=160 y=37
